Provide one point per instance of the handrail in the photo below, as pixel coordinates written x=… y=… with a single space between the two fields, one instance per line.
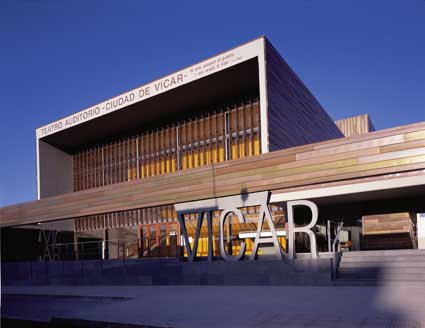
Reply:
x=336 y=240
x=95 y=241
x=336 y=256
x=120 y=248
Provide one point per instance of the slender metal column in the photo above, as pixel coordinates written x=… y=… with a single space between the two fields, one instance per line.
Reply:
x=329 y=235
x=137 y=157
x=178 y=147
x=226 y=136
x=103 y=166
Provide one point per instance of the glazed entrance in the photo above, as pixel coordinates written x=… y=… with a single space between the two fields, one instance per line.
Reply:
x=165 y=239
x=156 y=233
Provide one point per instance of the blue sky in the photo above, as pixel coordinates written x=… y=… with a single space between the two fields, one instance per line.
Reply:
x=58 y=57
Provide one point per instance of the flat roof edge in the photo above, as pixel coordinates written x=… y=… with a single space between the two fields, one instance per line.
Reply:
x=206 y=67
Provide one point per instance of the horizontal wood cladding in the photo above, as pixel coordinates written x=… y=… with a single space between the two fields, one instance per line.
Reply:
x=391 y=223
x=356 y=125
x=295 y=117
x=388 y=231
x=378 y=153
x=231 y=133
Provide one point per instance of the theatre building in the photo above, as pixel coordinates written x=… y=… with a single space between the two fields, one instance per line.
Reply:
x=148 y=174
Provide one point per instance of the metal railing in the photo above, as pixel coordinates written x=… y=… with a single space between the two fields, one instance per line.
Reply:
x=114 y=249
x=336 y=255
x=333 y=228
x=336 y=240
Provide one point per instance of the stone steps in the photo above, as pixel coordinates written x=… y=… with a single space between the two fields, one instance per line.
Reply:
x=383 y=264
x=410 y=270
x=413 y=252
x=374 y=282
x=384 y=276
x=382 y=259
x=382 y=267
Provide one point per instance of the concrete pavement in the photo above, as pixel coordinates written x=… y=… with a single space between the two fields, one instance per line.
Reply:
x=222 y=306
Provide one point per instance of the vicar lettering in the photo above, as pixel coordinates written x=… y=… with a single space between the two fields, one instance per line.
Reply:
x=231 y=205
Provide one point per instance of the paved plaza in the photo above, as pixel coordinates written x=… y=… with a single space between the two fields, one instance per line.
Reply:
x=222 y=306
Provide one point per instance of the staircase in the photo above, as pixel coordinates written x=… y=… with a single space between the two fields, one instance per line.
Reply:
x=382 y=267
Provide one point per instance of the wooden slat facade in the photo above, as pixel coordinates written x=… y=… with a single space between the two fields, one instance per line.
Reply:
x=388 y=231
x=356 y=125
x=231 y=133
x=391 y=223
x=389 y=151
x=295 y=117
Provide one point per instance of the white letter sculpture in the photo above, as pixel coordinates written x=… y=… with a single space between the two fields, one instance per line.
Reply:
x=223 y=253
x=230 y=205
x=306 y=229
x=265 y=213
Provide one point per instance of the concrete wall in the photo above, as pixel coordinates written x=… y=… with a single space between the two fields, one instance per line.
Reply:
x=168 y=272
x=55 y=171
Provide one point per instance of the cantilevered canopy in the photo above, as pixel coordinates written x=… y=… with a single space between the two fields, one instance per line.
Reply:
x=175 y=105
